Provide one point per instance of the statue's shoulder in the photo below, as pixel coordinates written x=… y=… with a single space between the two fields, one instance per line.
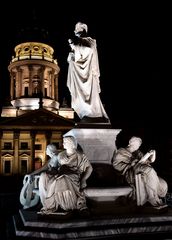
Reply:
x=122 y=150
x=61 y=154
x=90 y=41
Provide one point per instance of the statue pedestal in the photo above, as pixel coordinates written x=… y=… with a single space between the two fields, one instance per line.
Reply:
x=98 y=144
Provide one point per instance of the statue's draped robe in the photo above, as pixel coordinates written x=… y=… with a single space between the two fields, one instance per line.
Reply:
x=83 y=81
x=154 y=186
x=63 y=189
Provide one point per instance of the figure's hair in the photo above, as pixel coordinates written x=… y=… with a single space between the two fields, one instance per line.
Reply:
x=135 y=139
x=52 y=147
x=81 y=26
x=72 y=139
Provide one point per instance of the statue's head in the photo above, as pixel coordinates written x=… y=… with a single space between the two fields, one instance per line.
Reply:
x=80 y=27
x=51 y=149
x=135 y=139
x=134 y=143
x=70 y=140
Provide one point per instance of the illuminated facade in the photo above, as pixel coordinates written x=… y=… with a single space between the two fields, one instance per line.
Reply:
x=34 y=81
x=34 y=118
x=23 y=140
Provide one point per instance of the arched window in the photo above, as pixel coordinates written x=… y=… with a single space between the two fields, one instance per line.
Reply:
x=7 y=164
x=26 y=91
x=24 y=159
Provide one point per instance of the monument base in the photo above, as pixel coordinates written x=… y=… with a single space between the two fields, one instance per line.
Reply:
x=98 y=144
x=126 y=225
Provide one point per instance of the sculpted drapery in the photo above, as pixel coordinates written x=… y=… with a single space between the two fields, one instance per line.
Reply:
x=63 y=190
x=130 y=165
x=83 y=79
x=62 y=179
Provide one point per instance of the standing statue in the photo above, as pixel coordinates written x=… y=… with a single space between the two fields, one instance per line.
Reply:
x=136 y=167
x=83 y=75
x=63 y=179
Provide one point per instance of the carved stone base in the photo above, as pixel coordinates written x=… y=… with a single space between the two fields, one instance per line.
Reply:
x=120 y=226
x=98 y=144
x=55 y=215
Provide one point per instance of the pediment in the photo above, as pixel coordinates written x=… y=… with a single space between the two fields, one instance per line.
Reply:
x=7 y=155
x=38 y=118
x=24 y=155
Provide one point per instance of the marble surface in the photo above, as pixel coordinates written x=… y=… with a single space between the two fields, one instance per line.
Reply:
x=27 y=224
x=30 y=218
x=106 y=194
x=98 y=144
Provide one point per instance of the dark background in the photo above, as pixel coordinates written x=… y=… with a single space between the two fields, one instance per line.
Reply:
x=121 y=33
x=133 y=42
x=134 y=48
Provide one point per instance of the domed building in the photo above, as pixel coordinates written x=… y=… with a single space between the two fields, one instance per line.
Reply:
x=33 y=118
x=34 y=79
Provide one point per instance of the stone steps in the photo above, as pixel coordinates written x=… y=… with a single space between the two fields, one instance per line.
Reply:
x=143 y=224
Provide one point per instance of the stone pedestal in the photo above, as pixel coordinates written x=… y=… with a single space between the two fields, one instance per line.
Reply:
x=98 y=144
x=119 y=224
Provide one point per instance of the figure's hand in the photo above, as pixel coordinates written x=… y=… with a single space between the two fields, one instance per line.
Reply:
x=71 y=44
x=71 y=57
x=69 y=41
x=83 y=184
x=152 y=152
x=31 y=178
x=133 y=163
x=152 y=155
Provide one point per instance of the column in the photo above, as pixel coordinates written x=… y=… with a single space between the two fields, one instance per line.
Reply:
x=18 y=82
x=49 y=93
x=30 y=67
x=52 y=84
x=32 y=153
x=16 y=152
x=42 y=80
x=12 y=85
x=56 y=87
x=48 y=136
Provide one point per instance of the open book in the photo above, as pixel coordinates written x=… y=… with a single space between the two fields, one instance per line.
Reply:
x=145 y=157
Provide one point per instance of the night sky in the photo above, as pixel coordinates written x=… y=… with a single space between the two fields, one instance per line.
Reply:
x=128 y=61
x=134 y=49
